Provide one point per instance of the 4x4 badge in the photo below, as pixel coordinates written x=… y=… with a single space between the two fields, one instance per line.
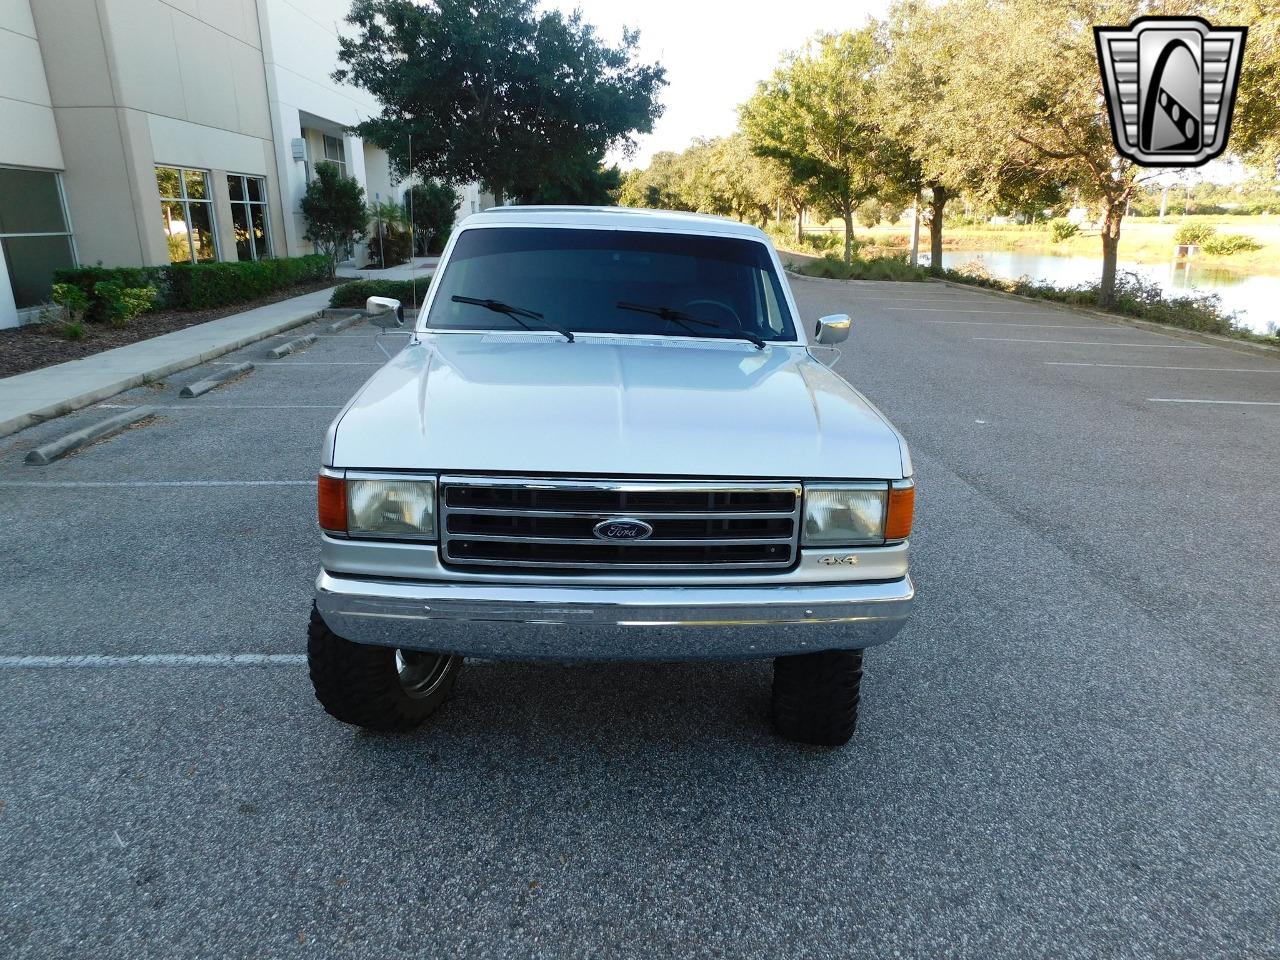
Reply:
x=1170 y=85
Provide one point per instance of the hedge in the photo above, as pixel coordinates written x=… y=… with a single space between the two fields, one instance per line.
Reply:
x=199 y=286
x=354 y=294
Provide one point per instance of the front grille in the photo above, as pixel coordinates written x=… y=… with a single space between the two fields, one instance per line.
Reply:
x=545 y=525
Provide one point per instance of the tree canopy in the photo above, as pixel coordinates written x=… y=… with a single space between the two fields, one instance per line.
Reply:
x=815 y=116
x=496 y=91
x=334 y=210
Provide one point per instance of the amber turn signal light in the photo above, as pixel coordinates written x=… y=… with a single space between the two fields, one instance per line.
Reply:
x=331 y=499
x=902 y=505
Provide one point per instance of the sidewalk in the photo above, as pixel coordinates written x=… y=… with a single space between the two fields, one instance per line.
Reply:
x=52 y=391
x=421 y=267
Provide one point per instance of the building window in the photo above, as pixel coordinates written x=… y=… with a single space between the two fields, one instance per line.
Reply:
x=335 y=153
x=249 y=216
x=187 y=207
x=34 y=239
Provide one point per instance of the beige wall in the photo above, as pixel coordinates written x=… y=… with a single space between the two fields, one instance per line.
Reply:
x=136 y=83
x=28 y=135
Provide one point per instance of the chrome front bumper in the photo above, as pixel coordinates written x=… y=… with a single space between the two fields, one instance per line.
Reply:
x=535 y=622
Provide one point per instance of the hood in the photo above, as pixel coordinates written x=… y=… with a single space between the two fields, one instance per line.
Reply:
x=533 y=404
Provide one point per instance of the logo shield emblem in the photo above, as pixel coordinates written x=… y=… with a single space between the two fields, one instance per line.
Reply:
x=622 y=528
x=1170 y=85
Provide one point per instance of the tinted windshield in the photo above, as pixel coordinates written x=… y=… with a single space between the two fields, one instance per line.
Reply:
x=577 y=278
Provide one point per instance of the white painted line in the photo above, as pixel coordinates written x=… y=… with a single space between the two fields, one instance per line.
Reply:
x=1241 y=403
x=156 y=483
x=1154 y=366
x=996 y=313
x=1031 y=323
x=155 y=660
x=1101 y=343
x=310 y=363
x=229 y=406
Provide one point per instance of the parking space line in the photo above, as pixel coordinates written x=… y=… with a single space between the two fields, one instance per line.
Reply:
x=1240 y=403
x=157 y=483
x=308 y=363
x=227 y=406
x=1031 y=323
x=1100 y=343
x=1004 y=313
x=24 y=662
x=1155 y=366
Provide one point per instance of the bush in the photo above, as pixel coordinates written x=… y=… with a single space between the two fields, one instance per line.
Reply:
x=186 y=286
x=1196 y=233
x=393 y=246
x=1225 y=244
x=434 y=206
x=132 y=278
x=833 y=267
x=334 y=211
x=201 y=286
x=72 y=300
x=1134 y=297
x=815 y=244
x=354 y=294
x=1060 y=228
x=122 y=304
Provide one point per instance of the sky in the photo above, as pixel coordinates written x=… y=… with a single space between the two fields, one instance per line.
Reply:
x=715 y=52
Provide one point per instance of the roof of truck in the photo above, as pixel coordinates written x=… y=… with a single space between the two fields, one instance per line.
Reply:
x=618 y=218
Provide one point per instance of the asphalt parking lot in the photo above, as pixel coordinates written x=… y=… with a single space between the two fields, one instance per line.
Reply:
x=1064 y=755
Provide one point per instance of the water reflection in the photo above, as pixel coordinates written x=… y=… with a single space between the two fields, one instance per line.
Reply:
x=1254 y=298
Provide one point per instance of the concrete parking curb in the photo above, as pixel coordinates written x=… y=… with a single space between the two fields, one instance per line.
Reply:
x=39 y=395
x=292 y=346
x=217 y=380
x=344 y=323
x=1217 y=340
x=55 y=449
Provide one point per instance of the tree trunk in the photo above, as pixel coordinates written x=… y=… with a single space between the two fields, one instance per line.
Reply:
x=497 y=196
x=799 y=223
x=1110 y=248
x=848 y=233
x=937 y=204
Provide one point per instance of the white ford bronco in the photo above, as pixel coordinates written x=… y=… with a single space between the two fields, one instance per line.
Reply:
x=608 y=438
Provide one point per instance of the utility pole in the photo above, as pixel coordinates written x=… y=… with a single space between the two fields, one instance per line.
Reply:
x=915 y=230
x=1164 y=202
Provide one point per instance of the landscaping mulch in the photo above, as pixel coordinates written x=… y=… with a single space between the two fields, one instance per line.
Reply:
x=38 y=345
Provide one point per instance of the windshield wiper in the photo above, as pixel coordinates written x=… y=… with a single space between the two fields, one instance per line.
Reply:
x=515 y=313
x=684 y=320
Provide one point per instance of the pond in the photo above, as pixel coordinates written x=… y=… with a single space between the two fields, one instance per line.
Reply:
x=1254 y=298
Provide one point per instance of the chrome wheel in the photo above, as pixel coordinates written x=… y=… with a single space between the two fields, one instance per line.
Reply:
x=421 y=673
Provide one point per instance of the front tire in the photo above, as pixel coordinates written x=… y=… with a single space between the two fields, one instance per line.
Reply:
x=815 y=696
x=378 y=688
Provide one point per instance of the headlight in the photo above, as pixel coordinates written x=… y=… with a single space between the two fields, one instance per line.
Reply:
x=390 y=507
x=844 y=514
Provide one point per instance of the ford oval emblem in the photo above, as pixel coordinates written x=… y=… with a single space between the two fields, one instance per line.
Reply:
x=623 y=528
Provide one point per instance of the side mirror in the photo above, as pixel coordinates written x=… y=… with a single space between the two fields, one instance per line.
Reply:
x=378 y=309
x=832 y=329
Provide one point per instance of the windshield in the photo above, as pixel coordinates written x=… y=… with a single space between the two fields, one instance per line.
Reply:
x=590 y=281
